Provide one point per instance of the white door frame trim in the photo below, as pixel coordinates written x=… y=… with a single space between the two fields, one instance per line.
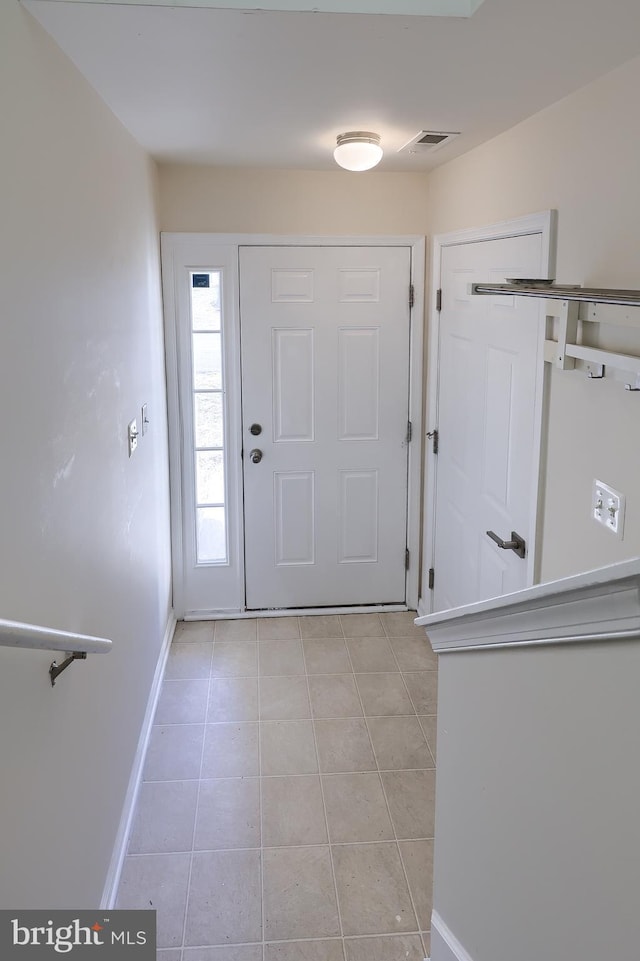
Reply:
x=172 y=241
x=543 y=223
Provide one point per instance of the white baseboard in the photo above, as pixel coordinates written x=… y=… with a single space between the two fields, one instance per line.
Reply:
x=444 y=944
x=293 y=612
x=120 y=848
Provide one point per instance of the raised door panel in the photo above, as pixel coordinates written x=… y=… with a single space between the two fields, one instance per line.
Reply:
x=325 y=508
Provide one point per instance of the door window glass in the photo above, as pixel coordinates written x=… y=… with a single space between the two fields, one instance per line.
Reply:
x=209 y=416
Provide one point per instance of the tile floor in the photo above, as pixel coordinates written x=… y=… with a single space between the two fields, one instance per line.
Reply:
x=286 y=809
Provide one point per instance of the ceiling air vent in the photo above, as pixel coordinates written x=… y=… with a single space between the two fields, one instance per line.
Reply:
x=428 y=140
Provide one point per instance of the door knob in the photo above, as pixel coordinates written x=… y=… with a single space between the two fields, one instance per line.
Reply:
x=516 y=544
x=255 y=455
x=255 y=429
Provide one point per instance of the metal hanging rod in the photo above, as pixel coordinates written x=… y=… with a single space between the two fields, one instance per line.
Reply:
x=548 y=291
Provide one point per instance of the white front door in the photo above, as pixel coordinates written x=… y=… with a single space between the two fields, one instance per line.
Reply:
x=487 y=462
x=325 y=337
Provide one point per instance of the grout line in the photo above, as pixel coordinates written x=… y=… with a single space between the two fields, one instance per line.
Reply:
x=324 y=805
x=262 y=915
x=425 y=737
x=195 y=819
x=277 y=847
x=386 y=800
x=226 y=677
x=308 y=717
x=349 y=937
x=245 y=777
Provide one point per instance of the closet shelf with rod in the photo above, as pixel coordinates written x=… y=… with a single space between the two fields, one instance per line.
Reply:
x=572 y=306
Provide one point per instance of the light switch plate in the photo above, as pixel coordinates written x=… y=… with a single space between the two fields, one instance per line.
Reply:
x=144 y=420
x=608 y=507
x=132 y=433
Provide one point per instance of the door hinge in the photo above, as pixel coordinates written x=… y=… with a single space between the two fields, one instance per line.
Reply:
x=406 y=559
x=432 y=575
x=409 y=432
x=435 y=436
x=412 y=295
x=439 y=299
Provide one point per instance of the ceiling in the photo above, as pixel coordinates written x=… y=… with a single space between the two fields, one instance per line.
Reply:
x=273 y=89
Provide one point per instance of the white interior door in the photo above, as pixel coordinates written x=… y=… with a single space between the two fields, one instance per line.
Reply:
x=325 y=379
x=487 y=463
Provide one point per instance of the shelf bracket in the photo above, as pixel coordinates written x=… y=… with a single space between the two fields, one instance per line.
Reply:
x=567 y=333
x=56 y=669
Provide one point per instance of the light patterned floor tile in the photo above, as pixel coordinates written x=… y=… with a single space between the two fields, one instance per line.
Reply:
x=407 y=947
x=237 y=707
x=287 y=747
x=292 y=811
x=299 y=894
x=228 y=814
x=305 y=951
x=182 y=702
x=356 y=808
x=284 y=698
x=411 y=797
x=334 y=695
x=371 y=654
x=174 y=752
x=277 y=628
x=399 y=743
x=372 y=889
x=231 y=750
x=239 y=629
x=165 y=815
x=401 y=624
x=362 y=625
x=344 y=746
x=326 y=655
x=224 y=898
x=157 y=881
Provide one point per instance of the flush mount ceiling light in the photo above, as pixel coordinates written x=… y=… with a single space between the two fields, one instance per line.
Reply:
x=358 y=150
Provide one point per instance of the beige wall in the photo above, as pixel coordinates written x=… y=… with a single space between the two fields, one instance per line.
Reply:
x=84 y=530
x=224 y=200
x=580 y=157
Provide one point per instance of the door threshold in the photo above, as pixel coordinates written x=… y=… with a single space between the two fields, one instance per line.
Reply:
x=294 y=612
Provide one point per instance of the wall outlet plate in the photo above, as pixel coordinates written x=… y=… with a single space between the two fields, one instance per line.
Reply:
x=132 y=434
x=608 y=507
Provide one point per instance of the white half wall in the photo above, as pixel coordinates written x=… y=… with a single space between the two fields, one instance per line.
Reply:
x=537 y=843
x=85 y=543
x=580 y=157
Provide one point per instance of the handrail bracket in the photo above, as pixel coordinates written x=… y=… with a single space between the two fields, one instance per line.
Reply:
x=56 y=669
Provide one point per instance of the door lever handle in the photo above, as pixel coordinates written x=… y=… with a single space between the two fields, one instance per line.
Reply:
x=516 y=544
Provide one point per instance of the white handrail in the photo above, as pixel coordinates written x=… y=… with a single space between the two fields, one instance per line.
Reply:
x=596 y=606
x=33 y=637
